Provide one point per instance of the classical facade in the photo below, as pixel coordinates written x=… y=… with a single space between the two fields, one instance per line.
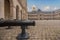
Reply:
x=40 y=15
x=13 y=9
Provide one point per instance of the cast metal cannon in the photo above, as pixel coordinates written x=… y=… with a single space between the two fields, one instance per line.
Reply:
x=22 y=23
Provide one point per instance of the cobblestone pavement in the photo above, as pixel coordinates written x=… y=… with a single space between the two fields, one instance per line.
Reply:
x=44 y=30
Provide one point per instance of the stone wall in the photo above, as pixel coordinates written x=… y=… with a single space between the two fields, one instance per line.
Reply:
x=44 y=16
x=22 y=11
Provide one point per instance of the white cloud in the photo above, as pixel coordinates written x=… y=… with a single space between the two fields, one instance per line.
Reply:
x=47 y=8
x=55 y=8
x=29 y=9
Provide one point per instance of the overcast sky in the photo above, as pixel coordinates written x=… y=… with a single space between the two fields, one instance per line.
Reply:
x=44 y=5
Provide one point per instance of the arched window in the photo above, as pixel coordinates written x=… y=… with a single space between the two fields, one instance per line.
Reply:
x=7 y=9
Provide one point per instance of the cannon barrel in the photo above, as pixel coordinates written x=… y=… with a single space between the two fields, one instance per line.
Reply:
x=22 y=23
x=16 y=23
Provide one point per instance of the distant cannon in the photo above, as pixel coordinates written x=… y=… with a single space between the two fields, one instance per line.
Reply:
x=22 y=23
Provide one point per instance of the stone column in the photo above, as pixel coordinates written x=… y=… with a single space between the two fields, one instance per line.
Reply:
x=24 y=15
x=19 y=15
x=13 y=12
x=24 y=9
x=38 y=16
x=1 y=8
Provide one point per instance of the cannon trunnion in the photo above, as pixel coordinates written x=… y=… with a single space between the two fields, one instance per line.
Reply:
x=22 y=23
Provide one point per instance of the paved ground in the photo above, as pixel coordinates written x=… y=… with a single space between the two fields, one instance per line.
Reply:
x=44 y=30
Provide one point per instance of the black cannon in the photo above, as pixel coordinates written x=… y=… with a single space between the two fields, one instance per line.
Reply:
x=22 y=23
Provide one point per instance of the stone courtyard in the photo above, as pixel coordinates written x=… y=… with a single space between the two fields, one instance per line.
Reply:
x=43 y=30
